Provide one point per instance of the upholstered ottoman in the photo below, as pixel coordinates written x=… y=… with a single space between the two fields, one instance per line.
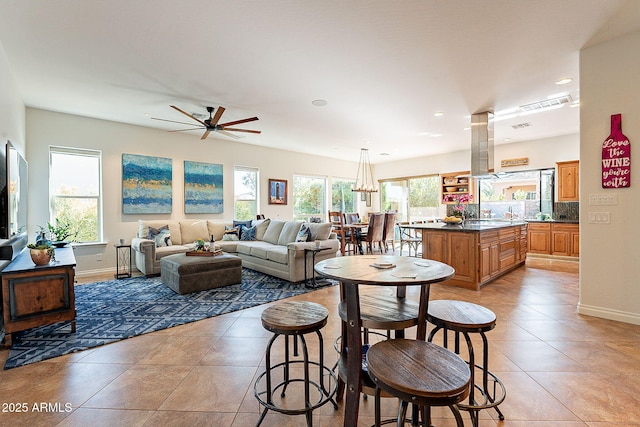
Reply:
x=186 y=274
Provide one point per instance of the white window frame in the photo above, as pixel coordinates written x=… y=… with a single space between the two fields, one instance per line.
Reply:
x=257 y=189
x=52 y=197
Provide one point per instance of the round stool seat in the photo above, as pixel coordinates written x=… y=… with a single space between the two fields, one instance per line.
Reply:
x=415 y=370
x=461 y=316
x=294 y=317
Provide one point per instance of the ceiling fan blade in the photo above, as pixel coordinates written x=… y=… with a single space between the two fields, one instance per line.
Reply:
x=242 y=130
x=228 y=134
x=188 y=115
x=172 y=121
x=182 y=130
x=216 y=117
x=237 y=122
x=205 y=134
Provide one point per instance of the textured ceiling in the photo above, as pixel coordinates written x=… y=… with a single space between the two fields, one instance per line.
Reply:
x=384 y=67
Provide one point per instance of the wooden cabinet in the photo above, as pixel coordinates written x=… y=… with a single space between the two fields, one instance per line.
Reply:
x=539 y=238
x=35 y=296
x=565 y=239
x=560 y=239
x=456 y=183
x=569 y=181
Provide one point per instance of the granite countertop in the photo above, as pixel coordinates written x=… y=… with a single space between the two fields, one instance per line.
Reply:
x=557 y=221
x=469 y=225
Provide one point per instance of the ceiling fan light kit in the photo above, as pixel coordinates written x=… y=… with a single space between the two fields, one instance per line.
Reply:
x=212 y=123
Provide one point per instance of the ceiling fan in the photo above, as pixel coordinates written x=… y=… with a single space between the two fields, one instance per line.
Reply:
x=211 y=124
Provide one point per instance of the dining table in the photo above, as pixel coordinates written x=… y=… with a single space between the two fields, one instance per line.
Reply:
x=374 y=270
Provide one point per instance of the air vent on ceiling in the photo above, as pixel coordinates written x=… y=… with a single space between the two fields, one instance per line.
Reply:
x=547 y=103
x=521 y=125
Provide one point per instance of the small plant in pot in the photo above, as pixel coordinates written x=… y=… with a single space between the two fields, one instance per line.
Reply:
x=41 y=252
x=61 y=233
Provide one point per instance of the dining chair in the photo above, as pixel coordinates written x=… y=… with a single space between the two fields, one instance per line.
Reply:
x=389 y=231
x=409 y=237
x=353 y=218
x=374 y=232
x=337 y=219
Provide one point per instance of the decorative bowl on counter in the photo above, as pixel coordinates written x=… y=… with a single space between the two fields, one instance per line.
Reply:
x=452 y=220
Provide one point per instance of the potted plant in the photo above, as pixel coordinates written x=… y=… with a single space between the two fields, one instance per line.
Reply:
x=41 y=252
x=60 y=232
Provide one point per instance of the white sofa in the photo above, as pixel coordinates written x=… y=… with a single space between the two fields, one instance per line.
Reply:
x=274 y=252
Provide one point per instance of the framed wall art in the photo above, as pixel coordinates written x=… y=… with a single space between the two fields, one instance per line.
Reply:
x=146 y=184
x=203 y=189
x=277 y=192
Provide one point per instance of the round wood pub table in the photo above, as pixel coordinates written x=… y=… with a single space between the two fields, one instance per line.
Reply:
x=382 y=270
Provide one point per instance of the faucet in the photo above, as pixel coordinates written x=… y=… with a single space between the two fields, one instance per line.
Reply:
x=511 y=212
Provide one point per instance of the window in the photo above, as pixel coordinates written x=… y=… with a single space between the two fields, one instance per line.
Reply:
x=75 y=188
x=342 y=198
x=309 y=197
x=414 y=198
x=245 y=194
x=523 y=194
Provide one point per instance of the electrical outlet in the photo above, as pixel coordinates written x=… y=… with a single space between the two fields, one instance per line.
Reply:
x=98 y=257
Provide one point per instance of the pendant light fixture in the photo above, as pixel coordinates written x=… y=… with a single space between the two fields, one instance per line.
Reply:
x=364 y=177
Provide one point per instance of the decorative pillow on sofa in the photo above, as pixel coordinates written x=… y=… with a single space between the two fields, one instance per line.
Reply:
x=320 y=231
x=231 y=233
x=241 y=225
x=304 y=235
x=248 y=233
x=261 y=226
x=161 y=236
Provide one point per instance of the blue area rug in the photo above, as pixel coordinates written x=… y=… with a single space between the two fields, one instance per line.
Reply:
x=111 y=311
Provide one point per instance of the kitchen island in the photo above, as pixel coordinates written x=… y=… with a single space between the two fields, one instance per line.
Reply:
x=479 y=250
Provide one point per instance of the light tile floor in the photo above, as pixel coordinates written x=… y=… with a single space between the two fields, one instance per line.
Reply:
x=561 y=369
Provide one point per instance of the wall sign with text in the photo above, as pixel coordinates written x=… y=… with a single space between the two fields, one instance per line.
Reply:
x=616 y=157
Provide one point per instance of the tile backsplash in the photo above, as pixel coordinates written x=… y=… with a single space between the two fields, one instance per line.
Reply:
x=566 y=210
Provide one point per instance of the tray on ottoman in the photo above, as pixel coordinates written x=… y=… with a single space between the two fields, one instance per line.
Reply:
x=186 y=274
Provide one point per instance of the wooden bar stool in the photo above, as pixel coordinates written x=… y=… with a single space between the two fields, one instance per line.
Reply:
x=421 y=373
x=466 y=318
x=380 y=312
x=295 y=319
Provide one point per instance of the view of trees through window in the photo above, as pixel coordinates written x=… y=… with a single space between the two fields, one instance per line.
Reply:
x=75 y=191
x=342 y=198
x=245 y=189
x=414 y=199
x=523 y=194
x=309 y=197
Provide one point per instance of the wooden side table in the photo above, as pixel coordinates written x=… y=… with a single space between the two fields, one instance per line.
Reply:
x=123 y=261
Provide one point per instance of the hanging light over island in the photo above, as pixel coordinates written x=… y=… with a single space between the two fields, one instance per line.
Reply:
x=364 y=177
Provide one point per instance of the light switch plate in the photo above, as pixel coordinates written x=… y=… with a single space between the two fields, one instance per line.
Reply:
x=599 y=218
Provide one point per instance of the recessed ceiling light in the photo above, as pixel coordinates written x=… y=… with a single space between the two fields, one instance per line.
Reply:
x=424 y=133
x=438 y=114
x=319 y=102
x=507 y=140
x=467 y=128
x=564 y=81
x=385 y=154
x=436 y=135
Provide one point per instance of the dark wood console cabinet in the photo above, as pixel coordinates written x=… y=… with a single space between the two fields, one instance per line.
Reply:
x=34 y=296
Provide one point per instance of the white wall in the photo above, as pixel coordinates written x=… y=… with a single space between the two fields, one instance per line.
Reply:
x=542 y=153
x=12 y=119
x=45 y=128
x=610 y=253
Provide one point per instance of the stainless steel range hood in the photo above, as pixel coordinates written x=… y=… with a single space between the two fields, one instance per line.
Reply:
x=482 y=145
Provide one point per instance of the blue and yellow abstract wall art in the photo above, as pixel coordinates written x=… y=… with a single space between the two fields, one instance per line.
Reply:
x=146 y=184
x=203 y=191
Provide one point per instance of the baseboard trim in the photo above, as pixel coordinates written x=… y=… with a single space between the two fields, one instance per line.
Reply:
x=607 y=313
x=101 y=271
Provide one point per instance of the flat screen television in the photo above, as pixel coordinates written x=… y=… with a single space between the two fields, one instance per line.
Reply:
x=13 y=201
